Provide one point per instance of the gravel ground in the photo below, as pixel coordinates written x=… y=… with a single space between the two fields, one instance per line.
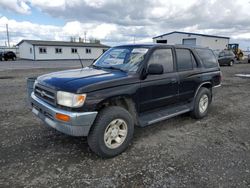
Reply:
x=180 y=152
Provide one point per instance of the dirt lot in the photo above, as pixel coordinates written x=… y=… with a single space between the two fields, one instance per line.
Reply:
x=180 y=152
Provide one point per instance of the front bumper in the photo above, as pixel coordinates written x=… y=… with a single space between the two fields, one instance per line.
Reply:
x=79 y=124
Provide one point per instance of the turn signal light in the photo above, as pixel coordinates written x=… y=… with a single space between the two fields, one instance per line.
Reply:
x=62 y=117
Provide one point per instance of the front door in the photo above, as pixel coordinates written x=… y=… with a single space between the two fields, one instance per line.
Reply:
x=159 y=90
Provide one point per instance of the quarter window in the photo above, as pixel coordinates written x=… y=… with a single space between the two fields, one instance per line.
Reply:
x=163 y=57
x=42 y=50
x=207 y=57
x=185 y=60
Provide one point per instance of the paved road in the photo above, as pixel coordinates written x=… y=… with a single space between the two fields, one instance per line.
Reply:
x=28 y=64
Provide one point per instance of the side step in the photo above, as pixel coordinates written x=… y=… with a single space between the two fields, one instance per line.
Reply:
x=163 y=114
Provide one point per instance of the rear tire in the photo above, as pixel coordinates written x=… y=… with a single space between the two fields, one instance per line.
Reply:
x=111 y=132
x=201 y=103
x=231 y=63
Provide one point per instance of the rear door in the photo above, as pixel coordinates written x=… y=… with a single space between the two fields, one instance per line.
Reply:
x=188 y=72
x=160 y=90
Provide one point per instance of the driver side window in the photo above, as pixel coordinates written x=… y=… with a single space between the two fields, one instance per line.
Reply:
x=163 y=57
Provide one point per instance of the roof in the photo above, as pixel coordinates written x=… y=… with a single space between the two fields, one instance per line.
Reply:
x=62 y=43
x=197 y=34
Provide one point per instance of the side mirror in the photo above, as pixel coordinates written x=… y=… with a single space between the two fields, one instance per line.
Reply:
x=155 y=69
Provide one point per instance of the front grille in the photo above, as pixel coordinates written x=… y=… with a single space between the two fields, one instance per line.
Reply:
x=45 y=94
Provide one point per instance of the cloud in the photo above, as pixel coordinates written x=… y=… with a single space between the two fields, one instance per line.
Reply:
x=18 y=6
x=123 y=21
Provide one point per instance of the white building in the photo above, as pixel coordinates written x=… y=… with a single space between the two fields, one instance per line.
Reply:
x=59 y=50
x=193 y=39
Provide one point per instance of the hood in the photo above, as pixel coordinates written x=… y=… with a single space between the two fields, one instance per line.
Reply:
x=75 y=80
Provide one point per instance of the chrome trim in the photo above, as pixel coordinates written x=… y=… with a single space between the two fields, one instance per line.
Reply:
x=217 y=86
x=43 y=93
x=203 y=83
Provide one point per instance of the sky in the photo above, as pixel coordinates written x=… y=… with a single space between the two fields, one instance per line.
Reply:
x=117 y=22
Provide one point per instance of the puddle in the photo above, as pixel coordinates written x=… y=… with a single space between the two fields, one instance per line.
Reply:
x=243 y=75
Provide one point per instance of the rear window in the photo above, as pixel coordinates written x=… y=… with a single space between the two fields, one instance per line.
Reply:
x=207 y=57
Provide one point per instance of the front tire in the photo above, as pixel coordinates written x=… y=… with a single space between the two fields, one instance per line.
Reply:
x=201 y=103
x=112 y=132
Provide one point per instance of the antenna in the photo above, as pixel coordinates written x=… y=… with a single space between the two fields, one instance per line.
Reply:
x=80 y=59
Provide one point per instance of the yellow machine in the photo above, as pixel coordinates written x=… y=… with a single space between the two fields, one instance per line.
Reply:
x=236 y=50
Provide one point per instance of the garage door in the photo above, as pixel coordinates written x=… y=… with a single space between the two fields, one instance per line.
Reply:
x=190 y=42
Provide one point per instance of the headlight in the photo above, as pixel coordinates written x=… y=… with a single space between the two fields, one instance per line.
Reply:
x=70 y=99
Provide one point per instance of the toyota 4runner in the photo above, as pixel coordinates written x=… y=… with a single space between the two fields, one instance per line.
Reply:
x=129 y=85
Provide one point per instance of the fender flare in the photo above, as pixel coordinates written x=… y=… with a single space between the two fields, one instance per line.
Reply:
x=197 y=90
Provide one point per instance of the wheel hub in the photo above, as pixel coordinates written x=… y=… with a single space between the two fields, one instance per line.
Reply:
x=203 y=104
x=115 y=133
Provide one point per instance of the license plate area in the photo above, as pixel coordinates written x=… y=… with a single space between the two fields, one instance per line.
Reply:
x=38 y=110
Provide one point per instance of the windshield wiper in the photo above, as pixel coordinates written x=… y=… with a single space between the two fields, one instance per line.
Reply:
x=115 y=68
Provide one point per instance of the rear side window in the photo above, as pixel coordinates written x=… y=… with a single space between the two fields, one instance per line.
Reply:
x=163 y=57
x=185 y=60
x=207 y=57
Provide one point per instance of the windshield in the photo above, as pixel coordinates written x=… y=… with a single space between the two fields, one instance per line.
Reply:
x=122 y=58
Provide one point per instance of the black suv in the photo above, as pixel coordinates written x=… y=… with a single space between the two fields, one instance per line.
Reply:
x=130 y=85
x=7 y=55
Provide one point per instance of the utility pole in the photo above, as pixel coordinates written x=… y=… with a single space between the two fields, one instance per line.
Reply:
x=8 y=37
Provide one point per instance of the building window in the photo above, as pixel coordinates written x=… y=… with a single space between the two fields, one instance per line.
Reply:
x=31 y=50
x=58 y=50
x=88 y=51
x=73 y=50
x=42 y=50
x=162 y=41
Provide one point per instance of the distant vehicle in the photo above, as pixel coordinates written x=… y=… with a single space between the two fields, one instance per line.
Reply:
x=236 y=50
x=7 y=55
x=226 y=57
x=248 y=58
